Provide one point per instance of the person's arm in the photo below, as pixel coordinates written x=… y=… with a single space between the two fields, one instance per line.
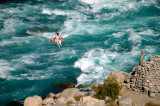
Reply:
x=56 y=31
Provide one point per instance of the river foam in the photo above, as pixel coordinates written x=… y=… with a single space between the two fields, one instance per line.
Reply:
x=97 y=63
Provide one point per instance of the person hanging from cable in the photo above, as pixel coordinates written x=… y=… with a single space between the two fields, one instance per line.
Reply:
x=58 y=39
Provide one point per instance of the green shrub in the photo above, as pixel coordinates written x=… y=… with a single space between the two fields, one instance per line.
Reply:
x=110 y=88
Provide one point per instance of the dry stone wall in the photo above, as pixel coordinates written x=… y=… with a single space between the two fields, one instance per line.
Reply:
x=146 y=77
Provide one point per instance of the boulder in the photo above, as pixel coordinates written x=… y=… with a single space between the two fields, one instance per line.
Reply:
x=70 y=100
x=119 y=76
x=71 y=92
x=125 y=101
x=57 y=96
x=67 y=85
x=152 y=95
x=50 y=95
x=48 y=101
x=33 y=101
x=91 y=100
x=34 y=30
x=90 y=103
x=61 y=101
x=78 y=93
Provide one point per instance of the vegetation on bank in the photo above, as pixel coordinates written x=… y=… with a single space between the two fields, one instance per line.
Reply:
x=110 y=87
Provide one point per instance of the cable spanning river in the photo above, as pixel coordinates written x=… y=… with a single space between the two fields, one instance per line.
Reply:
x=100 y=36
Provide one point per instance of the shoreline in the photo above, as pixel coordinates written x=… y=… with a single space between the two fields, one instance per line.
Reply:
x=133 y=84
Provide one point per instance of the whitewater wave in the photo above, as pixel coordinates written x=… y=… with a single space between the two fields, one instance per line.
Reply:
x=134 y=37
x=16 y=41
x=5 y=68
x=27 y=59
x=59 y=12
x=121 y=5
x=97 y=63
x=49 y=35
x=11 y=26
x=66 y=53
x=76 y=20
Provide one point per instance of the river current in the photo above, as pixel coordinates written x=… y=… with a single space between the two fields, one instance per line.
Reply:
x=100 y=36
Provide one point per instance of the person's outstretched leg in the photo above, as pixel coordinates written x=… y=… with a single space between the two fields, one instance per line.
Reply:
x=60 y=42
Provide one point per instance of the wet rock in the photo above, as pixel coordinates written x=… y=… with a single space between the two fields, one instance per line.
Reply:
x=16 y=103
x=46 y=29
x=67 y=85
x=34 y=30
x=80 y=86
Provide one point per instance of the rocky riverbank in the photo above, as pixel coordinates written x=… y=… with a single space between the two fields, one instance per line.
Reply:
x=70 y=96
x=140 y=87
x=145 y=78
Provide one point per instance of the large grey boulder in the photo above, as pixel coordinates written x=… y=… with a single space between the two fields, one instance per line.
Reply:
x=33 y=101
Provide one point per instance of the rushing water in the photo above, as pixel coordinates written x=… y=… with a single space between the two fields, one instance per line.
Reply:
x=100 y=36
